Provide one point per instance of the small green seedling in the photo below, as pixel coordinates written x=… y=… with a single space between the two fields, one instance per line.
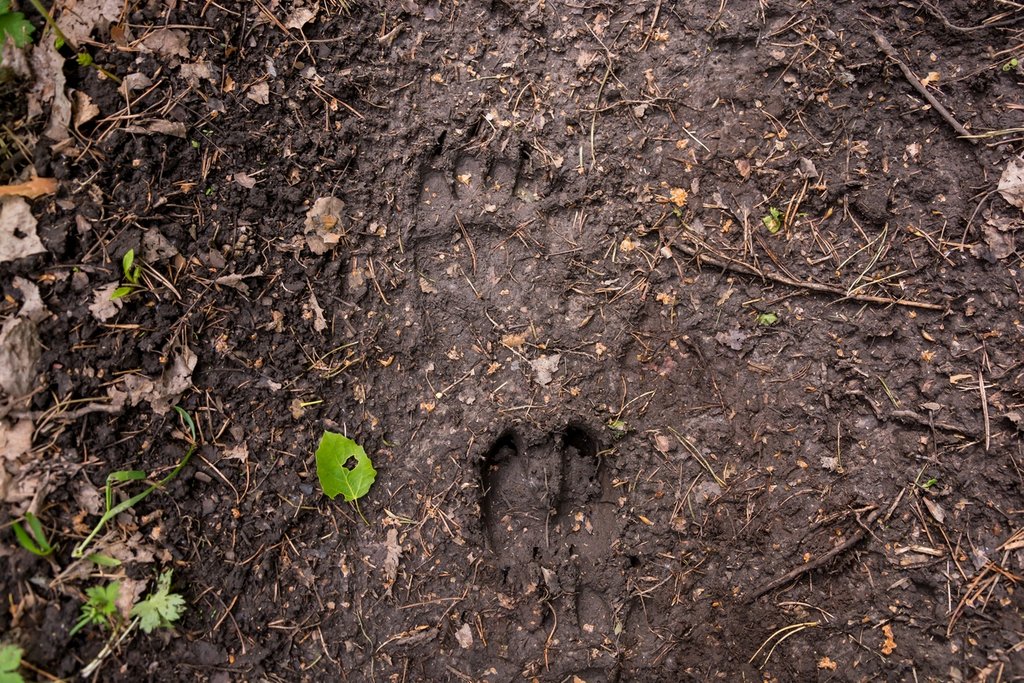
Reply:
x=343 y=467
x=619 y=428
x=161 y=608
x=101 y=607
x=34 y=539
x=1010 y=65
x=132 y=275
x=10 y=659
x=767 y=319
x=121 y=476
x=14 y=25
x=773 y=221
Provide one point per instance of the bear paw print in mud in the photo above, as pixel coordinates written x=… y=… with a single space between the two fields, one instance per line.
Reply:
x=476 y=190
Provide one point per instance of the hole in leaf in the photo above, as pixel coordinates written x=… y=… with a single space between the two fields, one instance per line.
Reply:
x=351 y=463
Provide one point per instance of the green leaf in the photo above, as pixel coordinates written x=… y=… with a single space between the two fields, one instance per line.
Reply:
x=15 y=25
x=103 y=560
x=121 y=292
x=36 y=542
x=10 y=655
x=767 y=319
x=126 y=263
x=773 y=221
x=103 y=598
x=332 y=456
x=126 y=475
x=161 y=608
x=619 y=428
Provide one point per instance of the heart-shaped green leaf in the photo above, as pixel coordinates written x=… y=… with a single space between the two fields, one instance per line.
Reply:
x=332 y=455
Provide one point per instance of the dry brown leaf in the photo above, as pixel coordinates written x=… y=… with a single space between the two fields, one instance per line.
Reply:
x=18 y=237
x=997 y=243
x=319 y=321
x=259 y=92
x=103 y=308
x=195 y=72
x=464 y=636
x=239 y=452
x=889 y=644
x=935 y=509
x=163 y=392
x=84 y=109
x=514 y=341
x=323 y=224
x=1011 y=183
x=168 y=43
x=678 y=196
x=81 y=17
x=300 y=17
x=15 y=440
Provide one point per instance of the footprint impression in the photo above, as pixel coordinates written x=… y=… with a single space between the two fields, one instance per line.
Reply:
x=548 y=516
x=476 y=190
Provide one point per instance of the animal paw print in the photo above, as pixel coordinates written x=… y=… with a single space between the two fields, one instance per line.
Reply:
x=475 y=190
x=548 y=518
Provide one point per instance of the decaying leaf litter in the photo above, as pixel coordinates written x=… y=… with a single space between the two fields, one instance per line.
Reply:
x=684 y=338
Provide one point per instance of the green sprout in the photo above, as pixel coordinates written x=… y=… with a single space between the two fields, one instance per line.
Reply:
x=161 y=608
x=132 y=275
x=34 y=538
x=10 y=657
x=619 y=428
x=121 y=476
x=773 y=221
x=1010 y=65
x=768 y=319
x=101 y=607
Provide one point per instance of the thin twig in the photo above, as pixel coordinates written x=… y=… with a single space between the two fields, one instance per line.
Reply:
x=997 y=21
x=886 y=47
x=821 y=561
x=732 y=265
x=984 y=410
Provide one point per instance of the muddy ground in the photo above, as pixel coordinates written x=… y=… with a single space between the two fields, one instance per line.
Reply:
x=685 y=338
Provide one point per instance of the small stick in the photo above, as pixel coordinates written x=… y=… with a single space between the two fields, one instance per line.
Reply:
x=984 y=410
x=732 y=265
x=32 y=189
x=816 y=563
x=886 y=47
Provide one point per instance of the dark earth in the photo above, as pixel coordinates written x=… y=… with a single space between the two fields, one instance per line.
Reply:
x=685 y=338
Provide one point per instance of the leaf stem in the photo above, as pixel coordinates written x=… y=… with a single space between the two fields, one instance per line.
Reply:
x=355 y=503
x=52 y=23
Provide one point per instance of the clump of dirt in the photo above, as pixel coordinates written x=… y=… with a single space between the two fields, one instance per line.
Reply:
x=685 y=339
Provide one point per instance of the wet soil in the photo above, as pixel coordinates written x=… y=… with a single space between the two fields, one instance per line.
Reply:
x=677 y=333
